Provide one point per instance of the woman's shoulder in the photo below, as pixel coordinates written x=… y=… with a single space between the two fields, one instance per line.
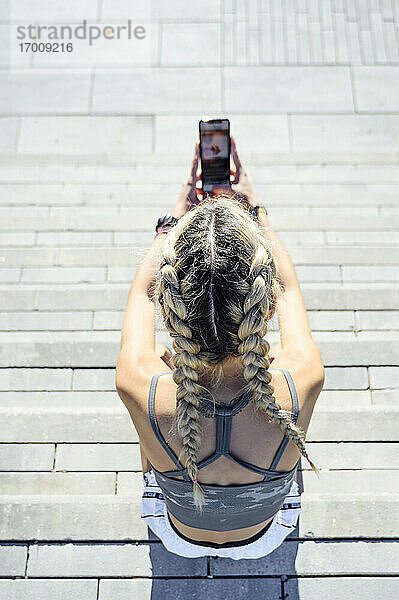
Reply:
x=306 y=369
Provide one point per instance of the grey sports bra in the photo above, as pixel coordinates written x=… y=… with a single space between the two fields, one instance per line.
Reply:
x=226 y=507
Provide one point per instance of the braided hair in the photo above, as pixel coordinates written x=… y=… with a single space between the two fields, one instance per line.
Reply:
x=217 y=284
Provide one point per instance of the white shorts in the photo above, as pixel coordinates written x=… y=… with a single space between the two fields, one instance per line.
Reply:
x=155 y=514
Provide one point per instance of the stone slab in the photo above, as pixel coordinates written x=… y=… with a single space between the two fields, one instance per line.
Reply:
x=317 y=558
x=117 y=560
x=57 y=483
x=195 y=589
x=287 y=89
x=350 y=588
x=56 y=589
x=13 y=559
x=111 y=518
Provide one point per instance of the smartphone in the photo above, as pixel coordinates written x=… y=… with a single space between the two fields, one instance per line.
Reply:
x=214 y=136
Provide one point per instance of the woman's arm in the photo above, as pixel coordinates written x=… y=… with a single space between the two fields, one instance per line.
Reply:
x=295 y=331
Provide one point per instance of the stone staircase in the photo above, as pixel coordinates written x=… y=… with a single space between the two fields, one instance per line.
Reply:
x=73 y=230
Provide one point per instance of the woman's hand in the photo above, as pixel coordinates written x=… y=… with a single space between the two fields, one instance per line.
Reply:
x=240 y=186
x=190 y=195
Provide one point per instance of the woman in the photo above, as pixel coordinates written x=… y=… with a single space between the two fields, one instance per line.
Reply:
x=221 y=432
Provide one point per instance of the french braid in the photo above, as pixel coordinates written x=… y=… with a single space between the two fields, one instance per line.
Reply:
x=253 y=349
x=186 y=363
x=217 y=285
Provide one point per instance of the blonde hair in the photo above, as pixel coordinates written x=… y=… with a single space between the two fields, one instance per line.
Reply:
x=217 y=283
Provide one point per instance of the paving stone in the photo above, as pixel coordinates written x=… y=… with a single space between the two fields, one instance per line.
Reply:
x=66 y=11
x=376 y=88
x=280 y=89
x=346 y=378
x=125 y=9
x=177 y=10
x=354 y=424
x=384 y=377
x=316 y=558
x=57 y=483
x=17 y=238
x=345 y=133
x=331 y=320
x=372 y=273
x=71 y=517
x=34 y=379
x=129 y=483
x=26 y=457
x=195 y=589
x=56 y=589
x=117 y=91
x=350 y=482
x=98 y=457
x=117 y=560
x=93 y=379
x=12 y=559
x=129 y=136
x=347 y=455
x=204 y=47
x=364 y=238
x=52 y=92
x=384 y=397
x=8 y=137
x=351 y=588
x=374 y=319
x=35 y=420
x=108 y=319
x=63 y=275
x=45 y=321
x=10 y=274
x=74 y=238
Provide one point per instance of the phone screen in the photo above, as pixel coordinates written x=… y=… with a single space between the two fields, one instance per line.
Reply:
x=215 y=153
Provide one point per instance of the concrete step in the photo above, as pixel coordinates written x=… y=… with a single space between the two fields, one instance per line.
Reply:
x=82 y=349
x=126 y=456
x=319 y=320
x=144 y=588
x=125 y=483
x=113 y=296
x=121 y=225
x=127 y=562
x=330 y=588
x=25 y=170
x=106 y=517
x=43 y=266
x=48 y=420
x=366 y=198
x=102 y=256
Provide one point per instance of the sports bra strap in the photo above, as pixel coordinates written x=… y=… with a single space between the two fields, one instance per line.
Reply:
x=293 y=392
x=295 y=408
x=153 y=421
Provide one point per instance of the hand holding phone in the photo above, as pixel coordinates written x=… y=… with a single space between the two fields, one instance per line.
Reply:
x=240 y=186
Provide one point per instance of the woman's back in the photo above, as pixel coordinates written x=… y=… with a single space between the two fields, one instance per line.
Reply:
x=253 y=439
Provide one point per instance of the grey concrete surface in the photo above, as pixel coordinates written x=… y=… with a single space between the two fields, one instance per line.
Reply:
x=94 y=145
